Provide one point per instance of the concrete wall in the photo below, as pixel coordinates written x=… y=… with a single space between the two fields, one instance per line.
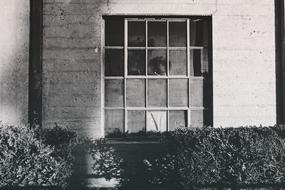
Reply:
x=243 y=58
x=14 y=55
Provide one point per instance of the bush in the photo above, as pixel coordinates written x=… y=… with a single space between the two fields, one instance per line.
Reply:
x=46 y=157
x=25 y=160
x=215 y=156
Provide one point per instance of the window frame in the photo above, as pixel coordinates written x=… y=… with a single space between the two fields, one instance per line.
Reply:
x=146 y=77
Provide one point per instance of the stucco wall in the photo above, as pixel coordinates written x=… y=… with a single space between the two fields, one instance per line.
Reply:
x=14 y=54
x=243 y=58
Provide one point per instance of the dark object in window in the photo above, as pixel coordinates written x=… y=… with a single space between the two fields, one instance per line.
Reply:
x=136 y=34
x=156 y=34
x=177 y=34
x=114 y=62
x=114 y=32
x=195 y=62
x=199 y=35
x=136 y=62
x=156 y=62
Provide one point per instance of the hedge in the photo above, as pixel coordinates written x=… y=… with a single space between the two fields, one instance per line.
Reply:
x=220 y=157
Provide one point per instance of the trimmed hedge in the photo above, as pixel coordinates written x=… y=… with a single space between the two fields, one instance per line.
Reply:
x=38 y=158
x=215 y=156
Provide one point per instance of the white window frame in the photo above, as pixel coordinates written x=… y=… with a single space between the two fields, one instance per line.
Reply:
x=168 y=108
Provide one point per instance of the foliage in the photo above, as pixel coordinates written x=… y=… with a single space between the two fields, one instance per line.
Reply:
x=26 y=161
x=230 y=156
x=48 y=157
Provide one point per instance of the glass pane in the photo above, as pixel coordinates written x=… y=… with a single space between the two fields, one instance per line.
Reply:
x=177 y=119
x=195 y=62
x=199 y=34
x=177 y=62
x=156 y=62
x=114 y=95
x=196 y=91
x=114 y=32
x=136 y=62
x=136 y=34
x=136 y=92
x=177 y=34
x=114 y=62
x=156 y=121
x=178 y=92
x=196 y=118
x=156 y=34
x=114 y=121
x=136 y=121
x=157 y=92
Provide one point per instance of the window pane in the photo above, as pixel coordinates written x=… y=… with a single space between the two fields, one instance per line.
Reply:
x=136 y=34
x=136 y=62
x=156 y=121
x=114 y=93
x=156 y=34
x=177 y=62
x=177 y=119
x=196 y=91
x=195 y=62
x=196 y=118
x=156 y=62
x=114 y=32
x=157 y=92
x=114 y=62
x=178 y=92
x=199 y=32
x=136 y=121
x=177 y=34
x=114 y=121
x=136 y=92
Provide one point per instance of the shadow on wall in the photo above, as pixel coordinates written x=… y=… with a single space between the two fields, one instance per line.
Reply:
x=72 y=66
x=14 y=52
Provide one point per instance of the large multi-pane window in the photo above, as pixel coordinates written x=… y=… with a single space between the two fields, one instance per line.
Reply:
x=157 y=73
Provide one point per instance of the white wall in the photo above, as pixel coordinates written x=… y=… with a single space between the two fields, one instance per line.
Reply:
x=14 y=53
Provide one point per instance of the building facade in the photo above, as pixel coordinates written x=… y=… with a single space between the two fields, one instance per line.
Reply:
x=123 y=65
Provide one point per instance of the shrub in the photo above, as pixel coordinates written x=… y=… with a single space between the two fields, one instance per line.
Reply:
x=215 y=156
x=26 y=160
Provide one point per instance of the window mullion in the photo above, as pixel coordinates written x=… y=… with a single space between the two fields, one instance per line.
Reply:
x=188 y=72
x=146 y=80
x=167 y=73
x=125 y=72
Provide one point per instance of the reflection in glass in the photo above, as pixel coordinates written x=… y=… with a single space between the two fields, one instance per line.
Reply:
x=136 y=34
x=156 y=121
x=114 y=62
x=136 y=92
x=157 y=92
x=136 y=62
x=114 y=32
x=177 y=62
x=156 y=34
x=195 y=62
x=156 y=62
x=136 y=121
x=197 y=118
x=177 y=34
x=114 y=93
x=199 y=32
x=114 y=121
x=196 y=89
x=178 y=92
x=177 y=119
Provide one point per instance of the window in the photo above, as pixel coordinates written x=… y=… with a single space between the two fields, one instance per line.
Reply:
x=157 y=73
